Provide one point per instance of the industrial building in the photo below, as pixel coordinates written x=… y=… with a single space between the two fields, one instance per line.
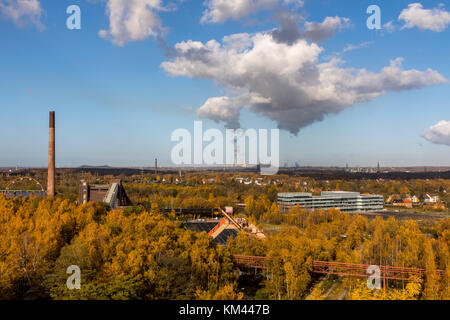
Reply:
x=343 y=200
x=112 y=194
x=210 y=226
x=224 y=229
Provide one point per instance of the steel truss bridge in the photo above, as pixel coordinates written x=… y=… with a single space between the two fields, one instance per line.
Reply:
x=341 y=269
x=360 y=270
x=9 y=192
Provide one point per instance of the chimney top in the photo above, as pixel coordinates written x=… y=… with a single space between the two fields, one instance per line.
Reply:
x=52 y=119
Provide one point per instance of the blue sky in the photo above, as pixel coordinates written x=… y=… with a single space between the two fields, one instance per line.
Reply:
x=117 y=105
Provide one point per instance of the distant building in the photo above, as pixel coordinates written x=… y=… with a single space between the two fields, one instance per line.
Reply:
x=406 y=203
x=434 y=202
x=224 y=229
x=403 y=200
x=112 y=194
x=210 y=226
x=248 y=181
x=343 y=200
x=431 y=198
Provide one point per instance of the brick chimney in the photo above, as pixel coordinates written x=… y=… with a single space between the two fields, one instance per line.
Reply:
x=51 y=157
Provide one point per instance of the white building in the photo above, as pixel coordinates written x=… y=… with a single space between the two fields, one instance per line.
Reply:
x=343 y=200
x=431 y=198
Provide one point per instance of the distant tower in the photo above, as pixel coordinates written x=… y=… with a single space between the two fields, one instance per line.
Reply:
x=156 y=166
x=235 y=161
x=378 y=167
x=51 y=156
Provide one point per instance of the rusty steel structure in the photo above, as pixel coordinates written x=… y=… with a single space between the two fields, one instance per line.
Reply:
x=360 y=270
x=250 y=262
x=341 y=269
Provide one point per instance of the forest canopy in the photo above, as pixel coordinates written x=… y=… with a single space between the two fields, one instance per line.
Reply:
x=150 y=255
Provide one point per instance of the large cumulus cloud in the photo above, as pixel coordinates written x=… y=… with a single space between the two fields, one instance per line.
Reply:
x=438 y=133
x=287 y=83
x=415 y=15
x=133 y=20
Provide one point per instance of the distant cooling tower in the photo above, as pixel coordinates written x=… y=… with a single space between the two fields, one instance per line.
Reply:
x=51 y=157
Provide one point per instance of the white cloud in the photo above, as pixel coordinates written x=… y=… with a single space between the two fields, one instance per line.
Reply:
x=389 y=26
x=289 y=31
x=425 y=19
x=133 y=20
x=223 y=109
x=352 y=47
x=296 y=3
x=22 y=12
x=320 y=31
x=284 y=82
x=219 y=11
x=438 y=133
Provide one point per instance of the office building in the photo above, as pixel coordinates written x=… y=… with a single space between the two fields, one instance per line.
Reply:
x=343 y=200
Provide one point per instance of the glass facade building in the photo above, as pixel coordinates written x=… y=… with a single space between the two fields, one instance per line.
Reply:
x=345 y=201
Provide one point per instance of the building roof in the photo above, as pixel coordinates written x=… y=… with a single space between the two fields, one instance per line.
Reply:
x=325 y=194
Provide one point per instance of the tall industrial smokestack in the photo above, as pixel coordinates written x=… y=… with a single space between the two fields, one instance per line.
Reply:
x=156 y=166
x=51 y=157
